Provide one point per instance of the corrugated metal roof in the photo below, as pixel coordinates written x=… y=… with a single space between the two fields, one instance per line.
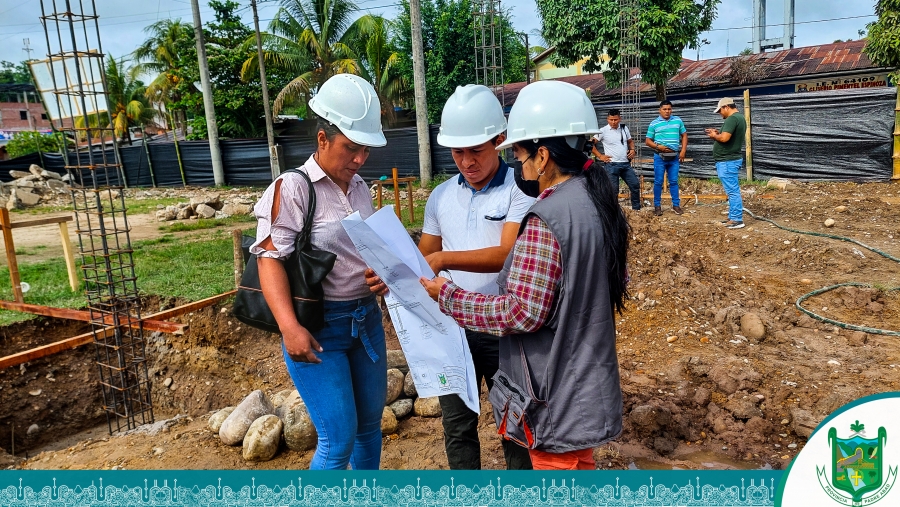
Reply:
x=758 y=68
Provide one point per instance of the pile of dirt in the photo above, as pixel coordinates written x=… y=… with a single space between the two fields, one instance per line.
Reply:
x=719 y=369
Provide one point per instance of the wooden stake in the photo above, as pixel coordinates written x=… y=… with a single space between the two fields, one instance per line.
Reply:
x=747 y=136
x=85 y=316
x=69 y=255
x=238 y=256
x=396 y=192
x=409 y=193
x=11 y=255
x=896 y=155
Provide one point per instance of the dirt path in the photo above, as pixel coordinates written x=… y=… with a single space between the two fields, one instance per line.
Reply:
x=713 y=396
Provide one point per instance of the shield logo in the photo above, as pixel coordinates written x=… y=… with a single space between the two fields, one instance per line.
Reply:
x=856 y=462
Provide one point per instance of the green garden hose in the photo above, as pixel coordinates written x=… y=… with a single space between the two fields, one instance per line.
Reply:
x=823 y=290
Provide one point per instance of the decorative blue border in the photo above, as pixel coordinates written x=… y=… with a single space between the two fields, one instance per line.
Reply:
x=386 y=488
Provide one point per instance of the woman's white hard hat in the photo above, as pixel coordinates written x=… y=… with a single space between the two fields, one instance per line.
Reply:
x=550 y=109
x=471 y=116
x=351 y=104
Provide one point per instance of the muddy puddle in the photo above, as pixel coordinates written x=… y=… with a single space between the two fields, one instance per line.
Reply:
x=698 y=461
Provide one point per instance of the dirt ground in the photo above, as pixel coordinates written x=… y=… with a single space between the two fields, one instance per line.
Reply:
x=699 y=391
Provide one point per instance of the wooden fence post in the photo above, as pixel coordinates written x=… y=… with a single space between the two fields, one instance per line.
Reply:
x=747 y=136
x=396 y=192
x=11 y=255
x=896 y=155
x=69 y=255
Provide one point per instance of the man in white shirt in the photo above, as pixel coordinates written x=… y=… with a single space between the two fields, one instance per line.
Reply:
x=471 y=224
x=618 y=150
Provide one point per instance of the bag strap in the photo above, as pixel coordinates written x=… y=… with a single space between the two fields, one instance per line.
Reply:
x=304 y=236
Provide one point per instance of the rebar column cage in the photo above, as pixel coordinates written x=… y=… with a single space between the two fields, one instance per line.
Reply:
x=487 y=23
x=630 y=68
x=76 y=67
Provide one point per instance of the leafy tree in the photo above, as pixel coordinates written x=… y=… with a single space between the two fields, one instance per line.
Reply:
x=380 y=64
x=129 y=104
x=883 y=41
x=746 y=52
x=161 y=54
x=28 y=141
x=12 y=73
x=311 y=40
x=588 y=28
x=447 y=34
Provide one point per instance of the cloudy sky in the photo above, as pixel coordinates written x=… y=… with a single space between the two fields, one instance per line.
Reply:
x=122 y=22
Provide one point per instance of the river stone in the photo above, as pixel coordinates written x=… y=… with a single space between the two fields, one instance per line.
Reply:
x=263 y=437
x=212 y=200
x=216 y=420
x=35 y=169
x=184 y=213
x=33 y=430
x=427 y=407
x=409 y=387
x=389 y=422
x=394 y=385
x=299 y=432
x=24 y=182
x=752 y=326
x=829 y=222
x=396 y=359
x=236 y=208
x=27 y=198
x=279 y=398
x=50 y=175
x=402 y=408
x=204 y=211
x=235 y=426
x=18 y=174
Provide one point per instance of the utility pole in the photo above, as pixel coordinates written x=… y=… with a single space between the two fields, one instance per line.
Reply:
x=274 y=158
x=211 y=128
x=424 y=137
x=527 y=61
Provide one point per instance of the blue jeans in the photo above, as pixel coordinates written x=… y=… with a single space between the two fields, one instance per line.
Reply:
x=623 y=170
x=728 y=175
x=670 y=170
x=345 y=393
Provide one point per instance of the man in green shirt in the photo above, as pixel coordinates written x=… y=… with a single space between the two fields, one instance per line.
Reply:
x=727 y=154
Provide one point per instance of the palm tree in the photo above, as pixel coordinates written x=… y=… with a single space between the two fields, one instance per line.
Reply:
x=313 y=40
x=379 y=64
x=128 y=103
x=159 y=54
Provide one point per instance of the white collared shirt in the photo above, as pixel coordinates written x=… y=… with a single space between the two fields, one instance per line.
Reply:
x=615 y=142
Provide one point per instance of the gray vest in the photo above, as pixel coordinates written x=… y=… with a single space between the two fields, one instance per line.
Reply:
x=557 y=388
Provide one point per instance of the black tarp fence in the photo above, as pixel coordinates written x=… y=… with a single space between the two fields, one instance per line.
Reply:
x=845 y=135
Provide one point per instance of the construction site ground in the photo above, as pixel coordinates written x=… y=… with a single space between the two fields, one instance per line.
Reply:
x=698 y=393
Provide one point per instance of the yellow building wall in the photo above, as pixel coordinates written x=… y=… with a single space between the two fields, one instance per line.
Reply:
x=546 y=70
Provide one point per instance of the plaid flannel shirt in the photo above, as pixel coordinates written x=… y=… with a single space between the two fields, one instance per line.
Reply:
x=534 y=276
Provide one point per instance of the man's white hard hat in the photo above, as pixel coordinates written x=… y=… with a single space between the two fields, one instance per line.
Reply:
x=471 y=116
x=551 y=109
x=351 y=104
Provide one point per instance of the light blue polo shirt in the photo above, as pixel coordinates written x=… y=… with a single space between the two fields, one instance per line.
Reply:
x=666 y=132
x=469 y=219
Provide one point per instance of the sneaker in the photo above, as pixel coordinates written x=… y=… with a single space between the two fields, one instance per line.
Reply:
x=635 y=209
x=734 y=224
x=677 y=210
x=657 y=210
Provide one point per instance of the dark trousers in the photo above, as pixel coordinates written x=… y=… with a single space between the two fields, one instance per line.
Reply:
x=623 y=170
x=461 y=424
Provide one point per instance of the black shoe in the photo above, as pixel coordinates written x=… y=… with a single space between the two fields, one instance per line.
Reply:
x=677 y=210
x=735 y=224
x=657 y=210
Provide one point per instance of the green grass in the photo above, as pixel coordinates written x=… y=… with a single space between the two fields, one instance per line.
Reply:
x=189 y=268
x=142 y=206
x=203 y=223
x=404 y=213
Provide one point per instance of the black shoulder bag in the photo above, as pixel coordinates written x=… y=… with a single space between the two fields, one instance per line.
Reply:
x=306 y=269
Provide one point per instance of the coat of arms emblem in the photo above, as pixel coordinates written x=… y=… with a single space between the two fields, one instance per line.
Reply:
x=857 y=467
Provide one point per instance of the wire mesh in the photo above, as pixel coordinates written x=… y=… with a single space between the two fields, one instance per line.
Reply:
x=76 y=68
x=487 y=23
x=630 y=67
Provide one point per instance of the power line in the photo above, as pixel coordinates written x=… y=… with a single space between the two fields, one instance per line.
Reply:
x=796 y=23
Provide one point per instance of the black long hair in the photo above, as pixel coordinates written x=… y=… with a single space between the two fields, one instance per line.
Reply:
x=605 y=197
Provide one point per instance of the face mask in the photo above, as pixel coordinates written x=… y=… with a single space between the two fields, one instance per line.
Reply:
x=531 y=188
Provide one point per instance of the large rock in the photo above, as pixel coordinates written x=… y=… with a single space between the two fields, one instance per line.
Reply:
x=396 y=359
x=57 y=186
x=427 y=407
x=35 y=169
x=263 y=437
x=12 y=203
x=184 y=213
x=18 y=174
x=394 y=385
x=169 y=213
x=27 y=197
x=409 y=386
x=27 y=182
x=235 y=426
x=803 y=422
x=235 y=208
x=752 y=326
x=212 y=200
x=402 y=408
x=216 y=420
x=50 y=175
x=299 y=432
x=205 y=211
x=389 y=422
x=279 y=398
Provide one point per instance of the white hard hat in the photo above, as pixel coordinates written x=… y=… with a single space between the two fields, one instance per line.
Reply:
x=550 y=109
x=471 y=116
x=350 y=103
